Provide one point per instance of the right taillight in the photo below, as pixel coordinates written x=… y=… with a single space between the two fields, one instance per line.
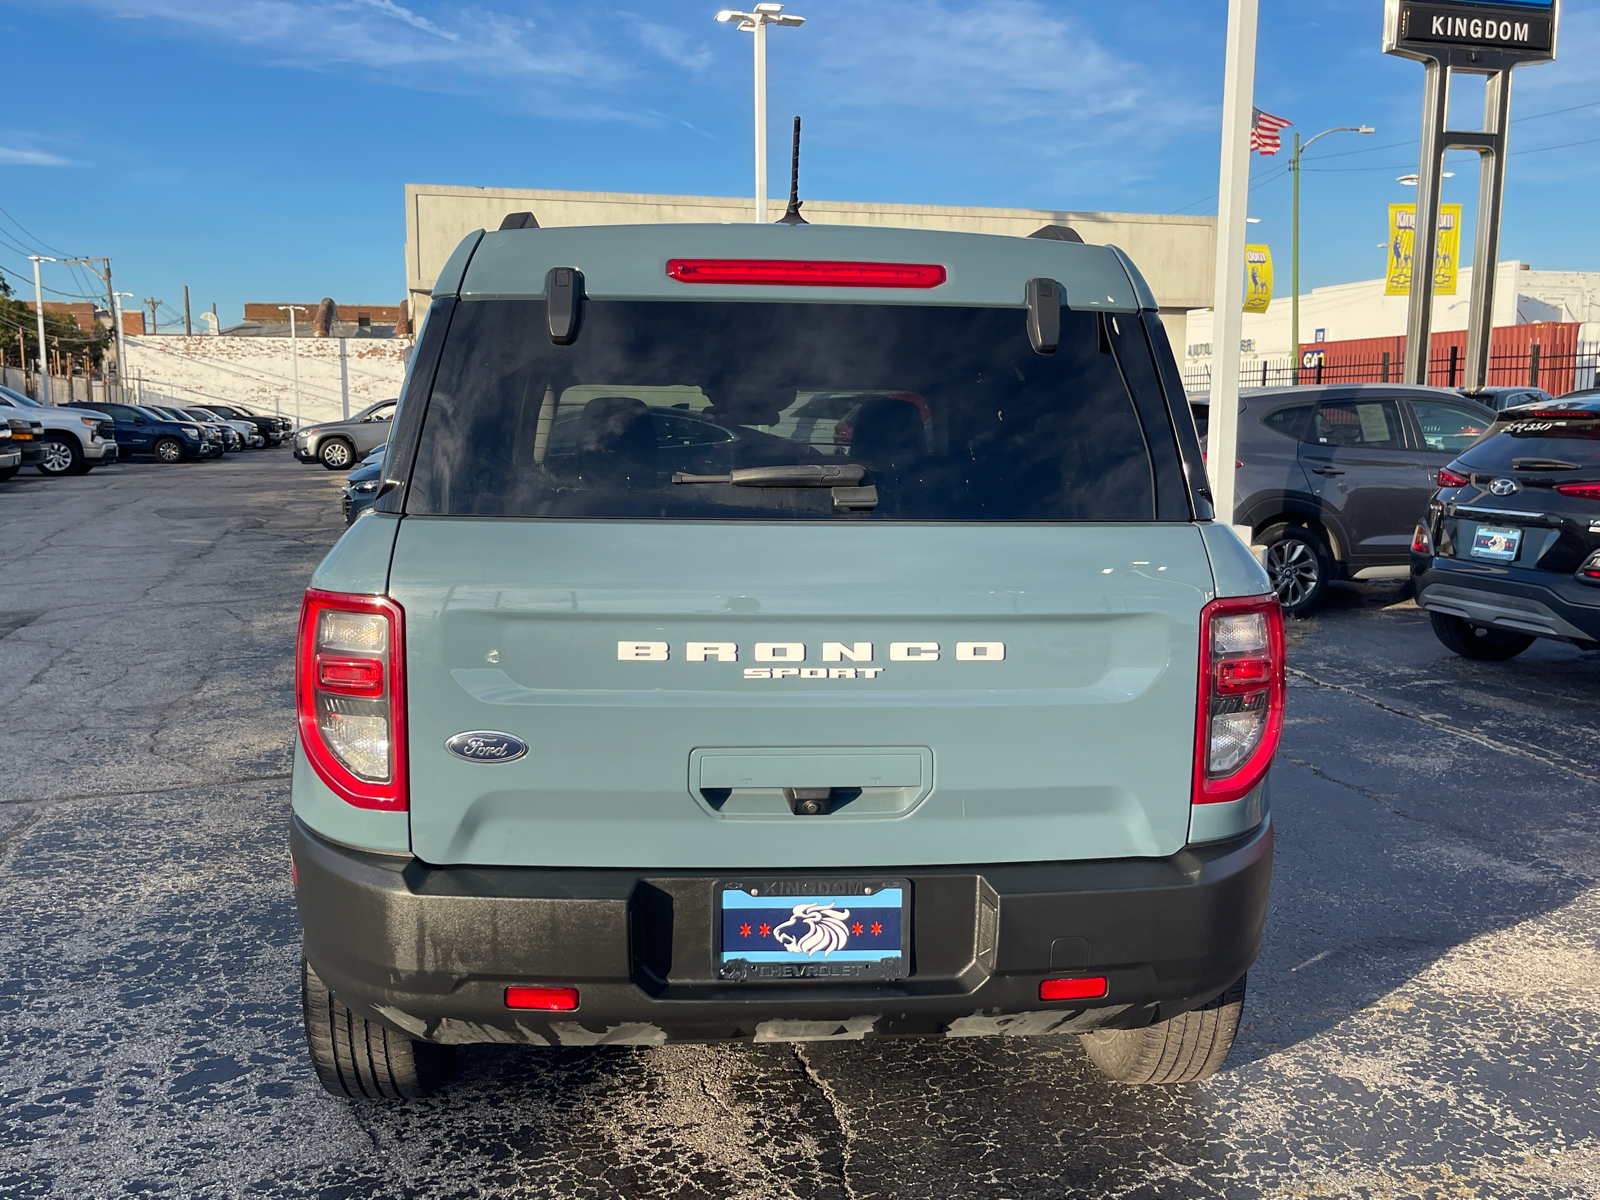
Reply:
x=1242 y=694
x=350 y=696
x=1449 y=479
x=1589 y=572
x=1421 y=542
x=1583 y=491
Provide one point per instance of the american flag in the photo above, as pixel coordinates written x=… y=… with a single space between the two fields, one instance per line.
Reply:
x=1264 y=131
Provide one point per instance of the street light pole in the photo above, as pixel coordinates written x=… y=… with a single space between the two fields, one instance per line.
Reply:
x=1294 y=272
x=756 y=22
x=38 y=312
x=294 y=356
x=292 y=309
x=122 y=348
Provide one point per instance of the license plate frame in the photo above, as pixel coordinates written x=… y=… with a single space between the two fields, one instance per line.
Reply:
x=838 y=939
x=1497 y=543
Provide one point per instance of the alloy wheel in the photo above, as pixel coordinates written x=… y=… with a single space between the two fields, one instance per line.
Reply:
x=57 y=458
x=168 y=451
x=1294 y=571
x=336 y=455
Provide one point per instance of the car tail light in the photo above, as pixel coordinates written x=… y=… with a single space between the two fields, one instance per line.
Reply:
x=1589 y=572
x=800 y=273
x=1583 y=491
x=1449 y=479
x=1073 y=989
x=1242 y=695
x=350 y=696
x=1421 y=540
x=550 y=999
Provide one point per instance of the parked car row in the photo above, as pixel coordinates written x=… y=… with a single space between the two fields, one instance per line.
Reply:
x=74 y=438
x=1332 y=481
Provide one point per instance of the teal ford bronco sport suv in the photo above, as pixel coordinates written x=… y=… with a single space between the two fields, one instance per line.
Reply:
x=641 y=711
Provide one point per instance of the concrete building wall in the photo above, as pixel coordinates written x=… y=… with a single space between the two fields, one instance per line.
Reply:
x=1360 y=310
x=338 y=376
x=1176 y=254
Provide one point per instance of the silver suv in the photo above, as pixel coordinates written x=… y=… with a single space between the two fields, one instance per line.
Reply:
x=339 y=445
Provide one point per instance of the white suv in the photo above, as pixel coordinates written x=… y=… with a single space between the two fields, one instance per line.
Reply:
x=75 y=439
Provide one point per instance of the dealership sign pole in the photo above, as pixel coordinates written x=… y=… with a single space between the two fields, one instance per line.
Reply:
x=1474 y=39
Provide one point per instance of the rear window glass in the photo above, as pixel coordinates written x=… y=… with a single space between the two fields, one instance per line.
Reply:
x=1538 y=444
x=1291 y=420
x=947 y=412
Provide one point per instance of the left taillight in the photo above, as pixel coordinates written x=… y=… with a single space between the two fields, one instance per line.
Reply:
x=1242 y=696
x=350 y=696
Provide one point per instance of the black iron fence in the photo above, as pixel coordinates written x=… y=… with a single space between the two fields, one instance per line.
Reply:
x=1557 y=373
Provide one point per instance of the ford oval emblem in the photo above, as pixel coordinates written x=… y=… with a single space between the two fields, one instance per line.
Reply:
x=486 y=746
x=1505 y=487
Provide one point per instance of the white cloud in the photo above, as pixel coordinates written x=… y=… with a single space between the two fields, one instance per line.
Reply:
x=673 y=45
x=31 y=158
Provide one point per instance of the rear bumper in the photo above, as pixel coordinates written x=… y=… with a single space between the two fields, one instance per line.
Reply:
x=1556 y=606
x=429 y=951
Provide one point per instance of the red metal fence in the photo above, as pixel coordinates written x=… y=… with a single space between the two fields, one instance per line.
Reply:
x=1542 y=355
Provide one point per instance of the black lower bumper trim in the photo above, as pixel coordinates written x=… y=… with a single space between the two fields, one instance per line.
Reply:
x=429 y=951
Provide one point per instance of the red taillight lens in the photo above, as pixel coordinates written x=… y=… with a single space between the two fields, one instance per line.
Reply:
x=1589 y=572
x=550 y=999
x=1583 y=491
x=350 y=696
x=1073 y=989
x=350 y=676
x=1448 y=478
x=1421 y=542
x=798 y=273
x=1242 y=695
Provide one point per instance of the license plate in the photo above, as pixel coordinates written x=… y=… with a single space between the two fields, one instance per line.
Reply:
x=1496 y=544
x=832 y=929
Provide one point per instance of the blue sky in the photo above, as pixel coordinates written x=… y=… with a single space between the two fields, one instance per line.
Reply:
x=257 y=149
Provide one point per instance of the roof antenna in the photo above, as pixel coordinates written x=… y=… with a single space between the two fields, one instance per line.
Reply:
x=793 y=217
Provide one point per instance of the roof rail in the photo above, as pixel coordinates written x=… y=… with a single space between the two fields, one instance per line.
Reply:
x=1057 y=233
x=519 y=220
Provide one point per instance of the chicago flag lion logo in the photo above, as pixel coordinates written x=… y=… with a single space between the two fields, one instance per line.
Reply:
x=813 y=928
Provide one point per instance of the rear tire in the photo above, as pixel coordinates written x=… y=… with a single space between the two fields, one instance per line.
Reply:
x=336 y=454
x=1181 y=1049
x=168 y=450
x=356 y=1058
x=1473 y=641
x=1299 y=564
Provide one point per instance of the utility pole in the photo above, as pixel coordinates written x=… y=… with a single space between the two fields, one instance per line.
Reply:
x=294 y=356
x=111 y=300
x=122 y=353
x=756 y=22
x=153 y=305
x=188 y=326
x=38 y=312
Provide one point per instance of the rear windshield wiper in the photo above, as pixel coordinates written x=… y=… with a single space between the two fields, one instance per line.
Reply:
x=1543 y=464
x=804 y=475
x=849 y=495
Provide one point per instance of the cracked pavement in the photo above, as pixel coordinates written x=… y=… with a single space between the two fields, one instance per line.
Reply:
x=1422 y=1022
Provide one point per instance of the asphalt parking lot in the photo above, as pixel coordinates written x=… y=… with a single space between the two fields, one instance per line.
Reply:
x=1422 y=1022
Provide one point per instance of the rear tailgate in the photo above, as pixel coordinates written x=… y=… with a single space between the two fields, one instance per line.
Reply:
x=1061 y=729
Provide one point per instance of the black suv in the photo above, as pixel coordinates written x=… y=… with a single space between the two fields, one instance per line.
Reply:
x=1510 y=548
x=1332 y=479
